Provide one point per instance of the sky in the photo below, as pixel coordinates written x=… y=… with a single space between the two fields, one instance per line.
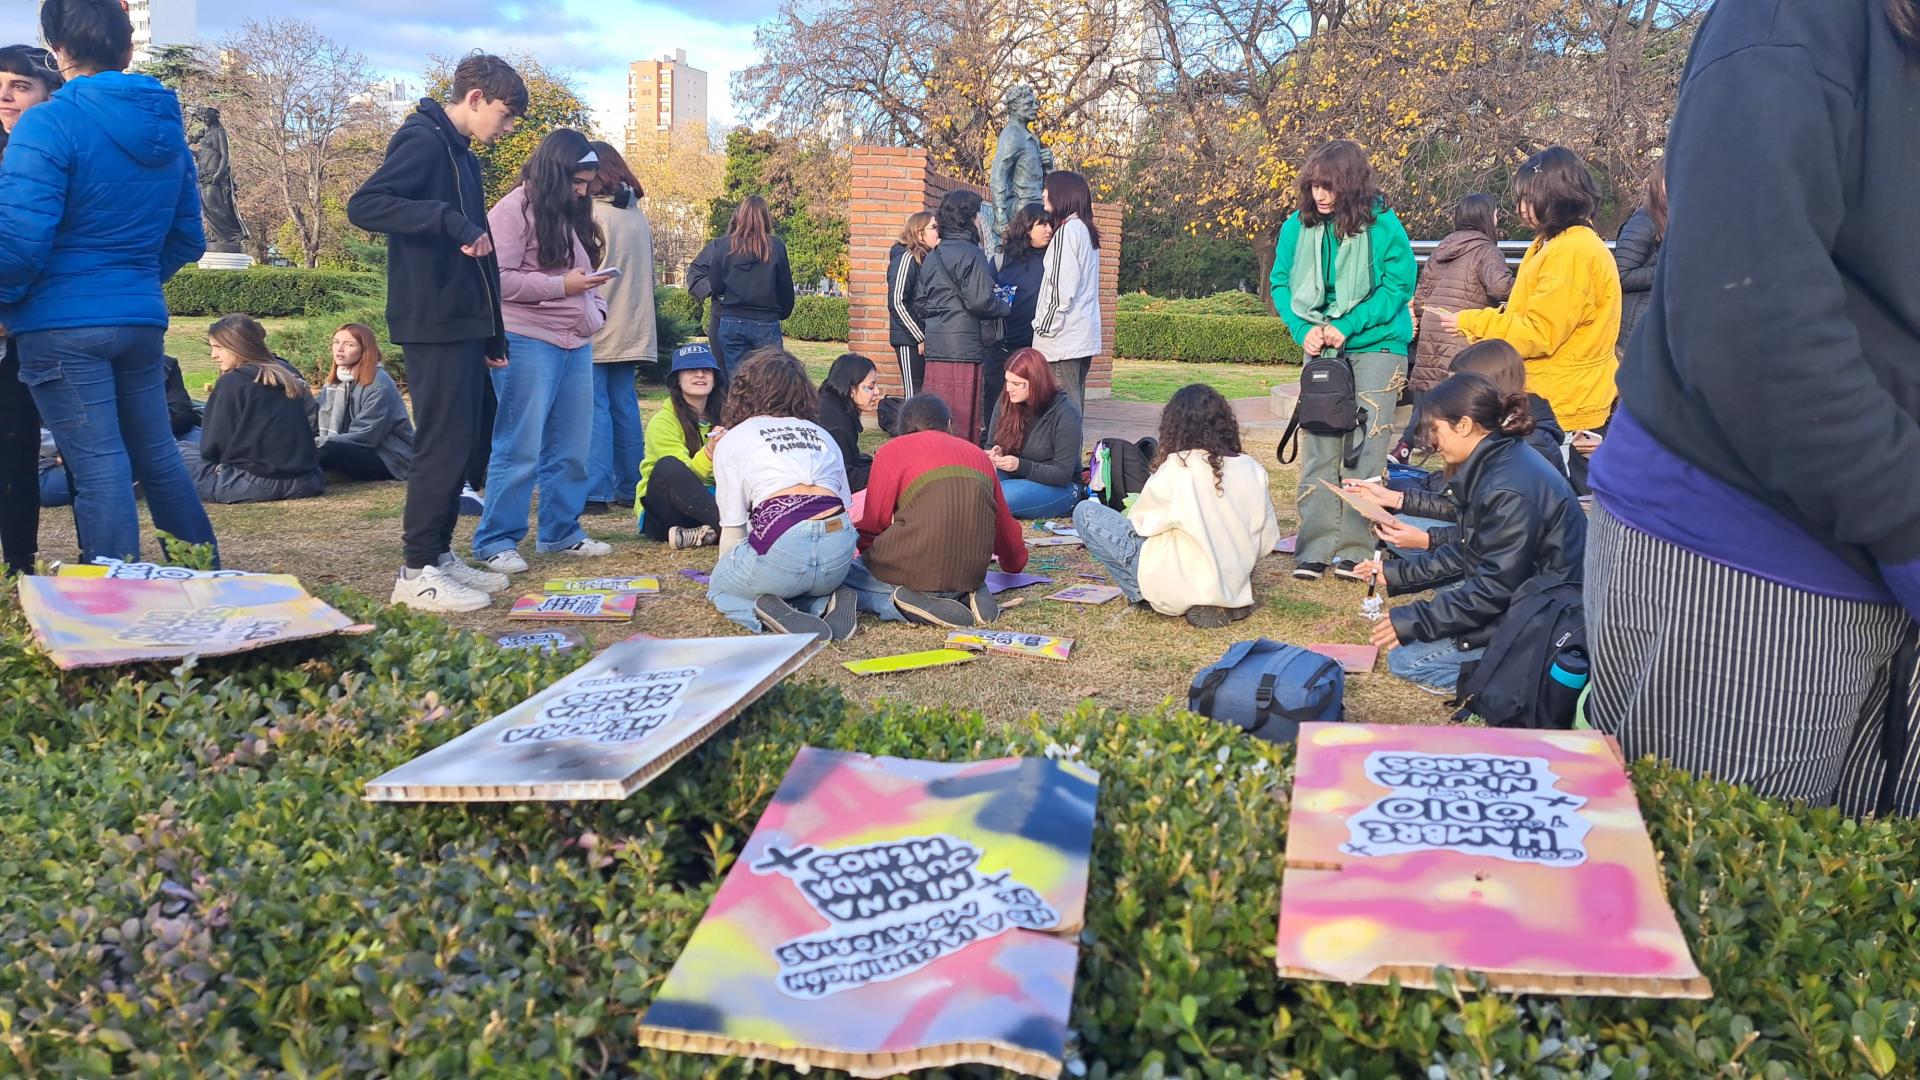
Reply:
x=595 y=39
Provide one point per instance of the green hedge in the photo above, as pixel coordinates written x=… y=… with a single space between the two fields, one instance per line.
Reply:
x=817 y=318
x=671 y=299
x=190 y=885
x=1231 y=302
x=1260 y=339
x=267 y=292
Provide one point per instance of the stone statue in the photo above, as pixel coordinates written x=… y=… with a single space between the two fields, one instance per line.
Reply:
x=1020 y=163
x=219 y=208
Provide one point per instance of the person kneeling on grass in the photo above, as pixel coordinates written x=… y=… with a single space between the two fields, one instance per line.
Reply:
x=1189 y=543
x=256 y=442
x=675 y=493
x=362 y=429
x=785 y=538
x=1036 y=435
x=1518 y=518
x=934 y=517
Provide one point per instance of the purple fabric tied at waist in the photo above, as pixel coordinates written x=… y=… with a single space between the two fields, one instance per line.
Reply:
x=772 y=518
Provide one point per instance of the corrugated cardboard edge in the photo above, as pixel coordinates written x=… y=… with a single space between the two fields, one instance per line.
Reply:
x=865 y=1065
x=89 y=658
x=600 y=789
x=1519 y=982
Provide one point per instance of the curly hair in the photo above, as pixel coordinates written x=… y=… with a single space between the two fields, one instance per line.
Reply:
x=1197 y=417
x=1342 y=167
x=770 y=382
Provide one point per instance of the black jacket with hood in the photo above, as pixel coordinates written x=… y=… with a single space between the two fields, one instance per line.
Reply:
x=741 y=286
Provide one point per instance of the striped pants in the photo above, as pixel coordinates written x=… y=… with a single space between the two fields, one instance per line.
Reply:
x=1729 y=675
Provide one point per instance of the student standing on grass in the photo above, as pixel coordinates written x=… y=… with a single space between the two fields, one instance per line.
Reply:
x=548 y=247
x=1036 y=440
x=256 y=440
x=675 y=494
x=99 y=207
x=1343 y=275
x=959 y=310
x=363 y=429
x=746 y=275
x=904 y=330
x=27 y=78
x=786 y=540
x=1066 y=322
x=630 y=337
x=1754 y=574
x=851 y=389
x=443 y=308
x=933 y=519
x=1190 y=541
x=1023 y=256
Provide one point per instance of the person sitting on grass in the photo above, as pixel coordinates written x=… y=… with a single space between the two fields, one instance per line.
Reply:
x=256 y=443
x=1518 y=518
x=362 y=429
x=1036 y=435
x=934 y=517
x=851 y=388
x=785 y=538
x=675 y=493
x=1189 y=543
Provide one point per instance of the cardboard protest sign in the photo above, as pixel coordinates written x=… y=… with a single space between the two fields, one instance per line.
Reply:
x=97 y=622
x=1087 y=594
x=104 y=567
x=1518 y=854
x=698 y=577
x=558 y=640
x=1367 y=508
x=605 y=730
x=889 y=915
x=999 y=581
x=913 y=661
x=1013 y=643
x=1286 y=544
x=639 y=586
x=1054 y=541
x=599 y=607
x=1354 y=659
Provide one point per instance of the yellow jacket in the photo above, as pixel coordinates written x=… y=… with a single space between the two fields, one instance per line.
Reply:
x=1564 y=317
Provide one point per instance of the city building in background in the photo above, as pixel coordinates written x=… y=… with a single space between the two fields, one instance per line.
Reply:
x=663 y=96
x=394 y=96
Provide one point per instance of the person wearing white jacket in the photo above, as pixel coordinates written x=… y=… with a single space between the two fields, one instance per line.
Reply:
x=1188 y=544
x=1066 y=322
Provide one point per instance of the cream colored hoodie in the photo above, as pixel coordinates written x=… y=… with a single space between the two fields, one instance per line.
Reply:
x=1202 y=542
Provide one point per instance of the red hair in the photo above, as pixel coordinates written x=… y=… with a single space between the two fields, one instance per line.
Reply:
x=1031 y=365
x=370 y=358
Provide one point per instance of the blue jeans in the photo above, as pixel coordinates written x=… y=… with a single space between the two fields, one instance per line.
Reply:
x=1432 y=664
x=875 y=596
x=1027 y=499
x=101 y=390
x=1110 y=539
x=619 y=439
x=738 y=337
x=1423 y=524
x=54 y=490
x=541 y=433
x=804 y=566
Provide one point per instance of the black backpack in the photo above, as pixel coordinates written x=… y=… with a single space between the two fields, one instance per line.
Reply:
x=1512 y=684
x=1267 y=689
x=1128 y=464
x=1328 y=405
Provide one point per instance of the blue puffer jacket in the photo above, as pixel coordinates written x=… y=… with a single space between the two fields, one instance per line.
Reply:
x=99 y=204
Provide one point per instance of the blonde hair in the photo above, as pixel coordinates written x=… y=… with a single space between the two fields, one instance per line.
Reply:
x=243 y=336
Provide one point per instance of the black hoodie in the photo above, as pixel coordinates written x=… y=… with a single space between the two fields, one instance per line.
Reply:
x=428 y=200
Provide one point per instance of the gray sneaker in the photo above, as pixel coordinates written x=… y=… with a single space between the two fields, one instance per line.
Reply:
x=843 y=614
x=778 y=615
x=929 y=610
x=681 y=537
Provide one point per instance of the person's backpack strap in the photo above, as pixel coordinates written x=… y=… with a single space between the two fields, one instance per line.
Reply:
x=1288 y=439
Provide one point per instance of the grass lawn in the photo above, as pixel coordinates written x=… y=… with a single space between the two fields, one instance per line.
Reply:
x=1156 y=380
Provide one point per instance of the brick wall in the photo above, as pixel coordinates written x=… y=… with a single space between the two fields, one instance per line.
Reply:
x=890 y=183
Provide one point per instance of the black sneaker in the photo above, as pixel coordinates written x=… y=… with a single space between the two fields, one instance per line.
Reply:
x=929 y=610
x=1347 y=568
x=843 y=614
x=1309 y=571
x=984 y=607
x=776 y=613
x=1208 y=617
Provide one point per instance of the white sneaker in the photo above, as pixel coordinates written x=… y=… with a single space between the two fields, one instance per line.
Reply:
x=472 y=576
x=433 y=589
x=506 y=562
x=471 y=501
x=586 y=549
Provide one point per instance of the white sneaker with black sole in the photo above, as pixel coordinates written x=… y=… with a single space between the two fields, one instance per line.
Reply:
x=587 y=549
x=472 y=504
x=435 y=590
x=472 y=577
x=506 y=562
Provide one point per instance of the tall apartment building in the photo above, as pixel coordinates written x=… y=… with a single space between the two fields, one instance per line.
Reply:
x=663 y=96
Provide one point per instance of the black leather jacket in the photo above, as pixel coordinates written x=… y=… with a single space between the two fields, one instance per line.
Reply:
x=1434 y=499
x=1518 y=519
x=954 y=294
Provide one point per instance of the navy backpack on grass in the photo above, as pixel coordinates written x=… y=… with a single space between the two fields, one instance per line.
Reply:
x=1267 y=689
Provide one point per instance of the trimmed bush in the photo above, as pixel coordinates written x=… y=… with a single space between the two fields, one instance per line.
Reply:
x=1259 y=339
x=1232 y=302
x=268 y=292
x=817 y=318
x=190 y=884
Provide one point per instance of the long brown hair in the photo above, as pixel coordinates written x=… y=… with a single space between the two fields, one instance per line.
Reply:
x=613 y=172
x=368 y=368
x=1497 y=361
x=1478 y=212
x=1657 y=198
x=751 y=233
x=243 y=336
x=1342 y=166
x=770 y=382
x=913 y=234
x=1016 y=420
x=1905 y=17
x=555 y=214
x=1071 y=198
x=1197 y=417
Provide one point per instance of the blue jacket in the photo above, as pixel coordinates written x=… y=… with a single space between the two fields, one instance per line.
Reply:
x=99 y=204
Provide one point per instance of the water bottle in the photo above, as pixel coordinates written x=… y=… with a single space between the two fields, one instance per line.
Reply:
x=1567 y=676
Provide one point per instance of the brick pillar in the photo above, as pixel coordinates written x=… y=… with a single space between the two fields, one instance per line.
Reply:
x=1106 y=216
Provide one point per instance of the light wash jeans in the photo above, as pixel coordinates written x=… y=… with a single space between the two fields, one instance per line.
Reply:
x=619 y=439
x=1434 y=665
x=875 y=596
x=101 y=390
x=1422 y=523
x=1110 y=539
x=1027 y=499
x=804 y=566
x=541 y=435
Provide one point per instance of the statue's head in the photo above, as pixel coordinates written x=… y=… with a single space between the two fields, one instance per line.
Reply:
x=207 y=115
x=1023 y=105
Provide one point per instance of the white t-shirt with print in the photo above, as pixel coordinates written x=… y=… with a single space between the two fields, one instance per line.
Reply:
x=769 y=454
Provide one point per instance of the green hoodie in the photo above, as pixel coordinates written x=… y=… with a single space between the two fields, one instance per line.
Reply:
x=1380 y=323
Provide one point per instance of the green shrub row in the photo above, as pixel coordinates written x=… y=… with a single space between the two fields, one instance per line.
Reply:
x=190 y=885
x=817 y=318
x=268 y=292
x=1231 y=302
x=1259 y=339
x=671 y=299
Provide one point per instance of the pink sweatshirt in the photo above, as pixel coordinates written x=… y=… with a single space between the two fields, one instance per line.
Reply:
x=533 y=298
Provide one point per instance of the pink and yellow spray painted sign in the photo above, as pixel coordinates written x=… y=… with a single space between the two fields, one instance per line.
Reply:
x=96 y=622
x=1521 y=855
x=890 y=914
